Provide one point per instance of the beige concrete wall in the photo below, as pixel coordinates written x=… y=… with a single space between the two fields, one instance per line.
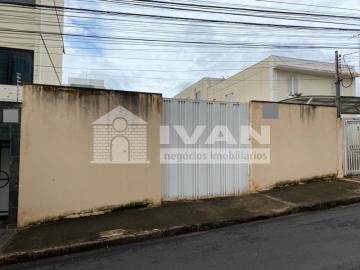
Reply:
x=310 y=84
x=57 y=177
x=189 y=92
x=304 y=144
x=201 y=86
x=24 y=25
x=253 y=83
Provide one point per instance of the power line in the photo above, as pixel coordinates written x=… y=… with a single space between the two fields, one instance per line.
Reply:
x=213 y=21
x=12 y=18
x=162 y=42
x=211 y=3
x=120 y=41
x=175 y=32
x=122 y=19
x=210 y=8
x=60 y=28
x=308 y=5
x=157 y=42
x=351 y=53
x=351 y=75
x=245 y=14
x=203 y=51
x=52 y=63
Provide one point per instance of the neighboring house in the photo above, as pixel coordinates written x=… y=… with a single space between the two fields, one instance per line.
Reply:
x=28 y=52
x=199 y=90
x=274 y=79
x=88 y=83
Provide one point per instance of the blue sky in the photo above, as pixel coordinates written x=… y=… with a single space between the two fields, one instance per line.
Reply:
x=169 y=69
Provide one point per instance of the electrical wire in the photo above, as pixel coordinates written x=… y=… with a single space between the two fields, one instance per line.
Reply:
x=50 y=58
x=351 y=75
x=132 y=25
x=188 y=19
x=308 y=5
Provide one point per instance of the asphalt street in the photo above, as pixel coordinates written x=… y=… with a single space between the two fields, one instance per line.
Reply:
x=327 y=239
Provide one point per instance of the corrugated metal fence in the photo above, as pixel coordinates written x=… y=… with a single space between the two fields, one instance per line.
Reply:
x=351 y=146
x=185 y=180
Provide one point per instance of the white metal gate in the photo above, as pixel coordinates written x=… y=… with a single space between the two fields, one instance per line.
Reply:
x=351 y=135
x=194 y=181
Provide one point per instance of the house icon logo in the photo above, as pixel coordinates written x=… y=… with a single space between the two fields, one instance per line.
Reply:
x=120 y=137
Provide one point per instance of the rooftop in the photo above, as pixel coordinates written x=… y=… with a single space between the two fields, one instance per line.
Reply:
x=308 y=66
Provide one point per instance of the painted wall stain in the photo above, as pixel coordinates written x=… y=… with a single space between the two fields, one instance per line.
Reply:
x=307 y=112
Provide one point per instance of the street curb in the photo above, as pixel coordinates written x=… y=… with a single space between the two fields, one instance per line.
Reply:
x=27 y=256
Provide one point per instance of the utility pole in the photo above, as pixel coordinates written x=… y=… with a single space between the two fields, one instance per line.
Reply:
x=337 y=85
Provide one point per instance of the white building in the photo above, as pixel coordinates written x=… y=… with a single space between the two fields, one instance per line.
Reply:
x=89 y=83
x=28 y=46
x=274 y=79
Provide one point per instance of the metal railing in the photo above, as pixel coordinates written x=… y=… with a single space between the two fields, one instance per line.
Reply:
x=351 y=136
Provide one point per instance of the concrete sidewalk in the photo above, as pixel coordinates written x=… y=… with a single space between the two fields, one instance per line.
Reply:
x=68 y=236
x=6 y=234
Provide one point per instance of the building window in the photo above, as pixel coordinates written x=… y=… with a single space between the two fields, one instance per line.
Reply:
x=293 y=85
x=198 y=95
x=229 y=97
x=13 y=61
x=26 y=2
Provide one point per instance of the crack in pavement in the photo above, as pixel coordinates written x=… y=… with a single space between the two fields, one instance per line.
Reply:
x=290 y=204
